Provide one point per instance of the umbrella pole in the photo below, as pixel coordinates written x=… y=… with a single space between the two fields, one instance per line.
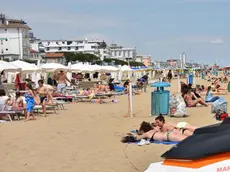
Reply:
x=130 y=97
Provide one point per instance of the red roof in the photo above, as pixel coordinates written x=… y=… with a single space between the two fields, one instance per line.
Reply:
x=54 y=55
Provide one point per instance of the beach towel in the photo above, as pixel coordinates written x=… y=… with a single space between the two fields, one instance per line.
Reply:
x=156 y=142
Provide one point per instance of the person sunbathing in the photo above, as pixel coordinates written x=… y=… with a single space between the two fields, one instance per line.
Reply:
x=8 y=104
x=18 y=102
x=188 y=97
x=147 y=131
x=101 y=88
x=182 y=127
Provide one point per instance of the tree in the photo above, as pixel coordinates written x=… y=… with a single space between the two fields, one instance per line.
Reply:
x=72 y=57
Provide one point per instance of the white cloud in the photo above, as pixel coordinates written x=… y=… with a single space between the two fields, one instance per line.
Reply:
x=217 y=41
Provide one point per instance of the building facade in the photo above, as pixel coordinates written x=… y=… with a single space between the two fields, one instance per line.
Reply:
x=84 y=46
x=119 y=52
x=145 y=59
x=14 y=38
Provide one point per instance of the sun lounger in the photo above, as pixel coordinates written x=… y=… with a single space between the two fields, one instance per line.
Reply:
x=12 y=114
x=81 y=98
x=39 y=107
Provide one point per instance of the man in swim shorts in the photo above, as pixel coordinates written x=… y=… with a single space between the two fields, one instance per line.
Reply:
x=62 y=81
x=42 y=91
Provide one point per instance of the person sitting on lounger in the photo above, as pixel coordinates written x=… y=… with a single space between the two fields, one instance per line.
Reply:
x=18 y=102
x=209 y=96
x=147 y=131
x=189 y=99
x=183 y=127
x=8 y=104
x=100 y=88
x=111 y=84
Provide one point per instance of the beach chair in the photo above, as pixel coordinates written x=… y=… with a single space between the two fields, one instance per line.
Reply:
x=12 y=114
x=37 y=108
x=81 y=98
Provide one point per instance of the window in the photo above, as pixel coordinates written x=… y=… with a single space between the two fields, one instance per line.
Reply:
x=48 y=49
x=6 y=30
x=68 y=48
x=6 y=39
x=6 y=49
x=1 y=42
x=59 y=48
x=93 y=47
x=76 y=48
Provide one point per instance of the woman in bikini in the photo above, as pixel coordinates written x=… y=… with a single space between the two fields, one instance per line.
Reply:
x=188 y=97
x=147 y=131
x=181 y=127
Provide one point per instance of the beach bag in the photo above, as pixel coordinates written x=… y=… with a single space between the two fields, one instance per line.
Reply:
x=219 y=105
x=177 y=106
x=221 y=115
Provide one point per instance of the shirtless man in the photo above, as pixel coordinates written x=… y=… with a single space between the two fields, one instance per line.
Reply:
x=101 y=88
x=62 y=80
x=42 y=91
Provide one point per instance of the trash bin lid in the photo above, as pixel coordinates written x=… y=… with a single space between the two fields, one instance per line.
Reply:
x=161 y=84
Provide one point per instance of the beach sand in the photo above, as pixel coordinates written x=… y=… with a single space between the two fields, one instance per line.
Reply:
x=86 y=138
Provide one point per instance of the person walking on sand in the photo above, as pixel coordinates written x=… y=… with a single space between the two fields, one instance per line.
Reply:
x=62 y=80
x=169 y=76
x=30 y=102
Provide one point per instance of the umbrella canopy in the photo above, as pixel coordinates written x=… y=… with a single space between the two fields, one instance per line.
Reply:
x=126 y=68
x=96 y=68
x=109 y=68
x=53 y=66
x=79 y=67
x=26 y=67
x=8 y=67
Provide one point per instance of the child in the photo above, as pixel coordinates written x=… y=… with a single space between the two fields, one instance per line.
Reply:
x=30 y=102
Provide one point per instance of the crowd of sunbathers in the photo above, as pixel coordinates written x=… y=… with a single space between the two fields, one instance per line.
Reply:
x=193 y=96
x=27 y=99
x=160 y=130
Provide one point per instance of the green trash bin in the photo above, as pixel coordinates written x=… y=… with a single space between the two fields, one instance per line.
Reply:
x=228 y=86
x=160 y=99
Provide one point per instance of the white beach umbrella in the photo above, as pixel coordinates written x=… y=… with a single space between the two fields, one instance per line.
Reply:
x=26 y=67
x=109 y=69
x=53 y=66
x=96 y=68
x=8 y=67
x=126 y=68
x=79 y=67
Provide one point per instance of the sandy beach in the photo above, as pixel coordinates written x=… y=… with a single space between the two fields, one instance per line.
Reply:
x=86 y=137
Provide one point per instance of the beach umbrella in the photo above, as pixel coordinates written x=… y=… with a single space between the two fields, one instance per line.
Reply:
x=79 y=67
x=51 y=67
x=25 y=67
x=8 y=67
x=126 y=68
x=109 y=69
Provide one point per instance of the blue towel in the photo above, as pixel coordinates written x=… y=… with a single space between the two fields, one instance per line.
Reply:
x=156 y=142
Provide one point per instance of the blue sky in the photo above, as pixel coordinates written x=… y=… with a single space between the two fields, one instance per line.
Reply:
x=161 y=28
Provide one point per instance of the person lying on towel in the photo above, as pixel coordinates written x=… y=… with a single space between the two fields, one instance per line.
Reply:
x=182 y=127
x=147 y=131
